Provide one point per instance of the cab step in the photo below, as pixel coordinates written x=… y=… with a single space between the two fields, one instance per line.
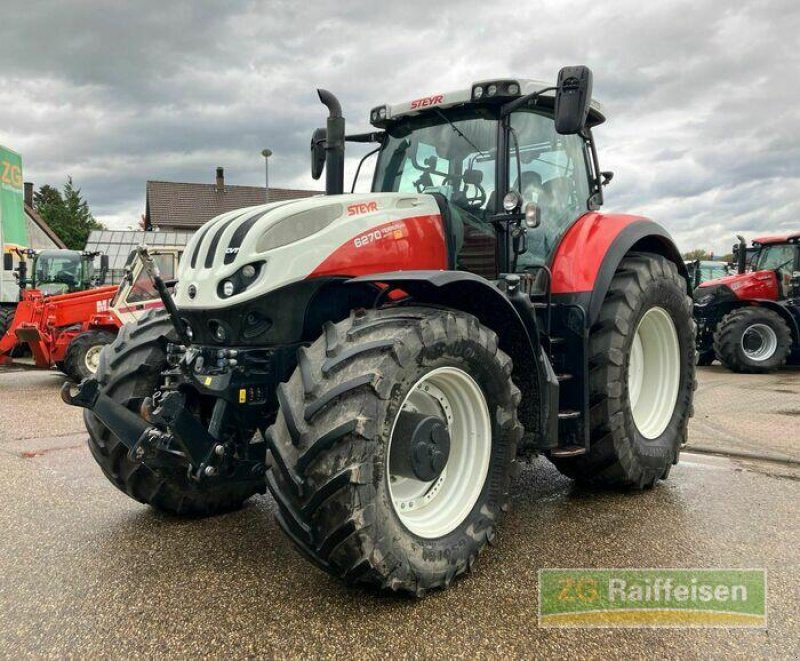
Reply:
x=569 y=415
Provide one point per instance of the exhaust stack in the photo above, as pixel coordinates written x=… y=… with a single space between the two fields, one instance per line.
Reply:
x=741 y=255
x=334 y=144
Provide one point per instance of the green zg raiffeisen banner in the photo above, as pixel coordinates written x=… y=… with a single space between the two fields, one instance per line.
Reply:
x=12 y=214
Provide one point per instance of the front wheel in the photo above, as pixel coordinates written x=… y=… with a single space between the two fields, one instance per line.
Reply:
x=394 y=446
x=83 y=354
x=641 y=378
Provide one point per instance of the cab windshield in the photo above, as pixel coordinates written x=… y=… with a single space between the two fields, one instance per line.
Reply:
x=59 y=272
x=454 y=155
x=779 y=256
x=451 y=154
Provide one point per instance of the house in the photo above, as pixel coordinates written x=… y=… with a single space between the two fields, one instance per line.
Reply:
x=176 y=206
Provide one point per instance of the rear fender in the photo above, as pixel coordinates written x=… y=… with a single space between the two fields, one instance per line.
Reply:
x=532 y=372
x=593 y=248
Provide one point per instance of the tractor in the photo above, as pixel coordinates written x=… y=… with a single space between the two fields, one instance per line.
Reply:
x=381 y=361
x=52 y=271
x=750 y=321
x=68 y=330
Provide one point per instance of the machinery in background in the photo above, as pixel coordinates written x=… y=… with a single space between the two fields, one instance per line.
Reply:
x=68 y=330
x=750 y=321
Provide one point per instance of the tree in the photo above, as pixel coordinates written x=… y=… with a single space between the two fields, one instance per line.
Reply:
x=699 y=253
x=67 y=214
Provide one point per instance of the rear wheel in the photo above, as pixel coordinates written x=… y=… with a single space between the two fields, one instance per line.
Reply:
x=83 y=354
x=752 y=339
x=394 y=447
x=129 y=371
x=642 y=377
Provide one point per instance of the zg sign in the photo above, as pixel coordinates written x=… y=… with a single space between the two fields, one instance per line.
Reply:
x=12 y=215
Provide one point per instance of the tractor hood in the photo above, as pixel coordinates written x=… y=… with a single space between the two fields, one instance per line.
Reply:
x=247 y=253
x=757 y=284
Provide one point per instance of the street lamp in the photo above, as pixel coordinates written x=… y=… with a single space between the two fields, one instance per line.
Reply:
x=266 y=153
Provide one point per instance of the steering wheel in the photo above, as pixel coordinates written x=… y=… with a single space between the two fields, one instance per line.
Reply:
x=477 y=200
x=66 y=277
x=425 y=180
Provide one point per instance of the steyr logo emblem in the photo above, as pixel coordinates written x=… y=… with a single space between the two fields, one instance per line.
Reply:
x=361 y=207
x=427 y=101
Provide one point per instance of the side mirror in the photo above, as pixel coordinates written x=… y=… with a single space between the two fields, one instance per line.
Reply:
x=573 y=96
x=103 y=269
x=318 y=143
x=8 y=262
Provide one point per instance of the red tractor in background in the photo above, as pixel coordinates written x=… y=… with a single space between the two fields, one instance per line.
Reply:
x=69 y=330
x=750 y=321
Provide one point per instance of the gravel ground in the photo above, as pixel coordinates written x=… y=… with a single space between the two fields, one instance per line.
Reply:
x=87 y=572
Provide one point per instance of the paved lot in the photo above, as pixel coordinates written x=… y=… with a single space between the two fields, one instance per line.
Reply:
x=87 y=572
x=748 y=413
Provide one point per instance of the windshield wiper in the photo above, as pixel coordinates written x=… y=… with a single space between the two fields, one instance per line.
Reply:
x=458 y=132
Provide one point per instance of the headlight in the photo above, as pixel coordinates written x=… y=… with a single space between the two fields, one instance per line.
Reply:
x=241 y=280
x=511 y=201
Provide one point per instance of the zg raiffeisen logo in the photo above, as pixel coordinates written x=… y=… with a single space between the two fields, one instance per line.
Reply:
x=652 y=598
x=10 y=174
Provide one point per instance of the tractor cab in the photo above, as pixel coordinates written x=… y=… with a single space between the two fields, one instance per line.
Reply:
x=773 y=274
x=511 y=163
x=60 y=271
x=780 y=255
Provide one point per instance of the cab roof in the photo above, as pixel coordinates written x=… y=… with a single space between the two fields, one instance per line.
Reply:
x=597 y=113
x=792 y=237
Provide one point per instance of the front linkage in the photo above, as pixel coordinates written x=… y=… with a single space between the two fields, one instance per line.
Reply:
x=166 y=430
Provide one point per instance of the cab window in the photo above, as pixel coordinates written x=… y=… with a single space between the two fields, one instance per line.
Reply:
x=777 y=257
x=143 y=288
x=551 y=172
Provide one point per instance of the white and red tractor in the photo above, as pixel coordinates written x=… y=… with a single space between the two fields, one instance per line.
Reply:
x=380 y=361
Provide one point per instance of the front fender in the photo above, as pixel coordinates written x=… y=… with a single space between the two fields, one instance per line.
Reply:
x=517 y=336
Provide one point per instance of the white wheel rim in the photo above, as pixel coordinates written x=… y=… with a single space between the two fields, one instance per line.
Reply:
x=92 y=358
x=759 y=342
x=433 y=509
x=654 y=372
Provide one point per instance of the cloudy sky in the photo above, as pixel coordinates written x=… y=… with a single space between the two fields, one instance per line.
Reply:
x=702 y=96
